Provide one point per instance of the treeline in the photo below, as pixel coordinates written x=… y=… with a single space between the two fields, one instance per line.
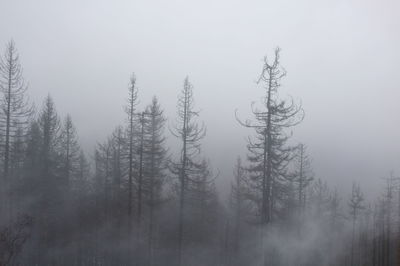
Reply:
x=135 y=202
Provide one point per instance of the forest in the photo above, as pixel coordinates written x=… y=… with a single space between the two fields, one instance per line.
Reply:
x=137 y=201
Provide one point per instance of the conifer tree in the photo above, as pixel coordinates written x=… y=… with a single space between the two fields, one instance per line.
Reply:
x=15 y=113
x=189 y=132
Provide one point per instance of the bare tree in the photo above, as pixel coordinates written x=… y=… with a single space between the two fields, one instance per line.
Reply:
x=268 y=153
x=189 y=132
x=16 y=110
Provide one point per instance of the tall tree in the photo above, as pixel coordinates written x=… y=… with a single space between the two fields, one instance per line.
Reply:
x=15 y=107
x=151 y=173
x=268 y=153
x=140 y=181
x=189 y=132
x=155 y=164
x=130 y=111
x=50 y=186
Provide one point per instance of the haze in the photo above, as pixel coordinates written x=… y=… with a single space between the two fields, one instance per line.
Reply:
x=341 y=58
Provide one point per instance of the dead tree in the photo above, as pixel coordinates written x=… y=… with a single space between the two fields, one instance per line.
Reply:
x=16 y=110
x=268 y=152
x=189 y=132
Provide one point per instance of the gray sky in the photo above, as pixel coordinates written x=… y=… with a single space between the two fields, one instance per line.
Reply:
x=341 y=57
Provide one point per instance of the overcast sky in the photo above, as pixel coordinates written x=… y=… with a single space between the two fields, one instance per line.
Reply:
x=342 y=59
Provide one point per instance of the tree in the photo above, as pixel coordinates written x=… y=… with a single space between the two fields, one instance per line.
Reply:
x=103 y=176
x=32 y=163
x=268 y=153
x=70 y=152
x=303 y=176
x=155 y=162
x=16 y=110
x=202 y=200
x=130 y=111
x=321 y=198
x=239 y=204
x=49 y=125
x=50 y=188
x=189 y=132
x=355 y=205
x=335 y=209
x=119 y=166
x=388 y=216
x=142 y=122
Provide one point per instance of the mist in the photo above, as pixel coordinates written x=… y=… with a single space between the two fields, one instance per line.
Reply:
x=111 y=156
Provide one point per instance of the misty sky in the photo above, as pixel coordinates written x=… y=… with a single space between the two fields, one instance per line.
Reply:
x=341 y=56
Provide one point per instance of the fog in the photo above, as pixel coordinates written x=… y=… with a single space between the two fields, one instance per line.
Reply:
x=341 y=59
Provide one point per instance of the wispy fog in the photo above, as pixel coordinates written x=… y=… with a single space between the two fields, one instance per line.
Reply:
x=341 y=59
